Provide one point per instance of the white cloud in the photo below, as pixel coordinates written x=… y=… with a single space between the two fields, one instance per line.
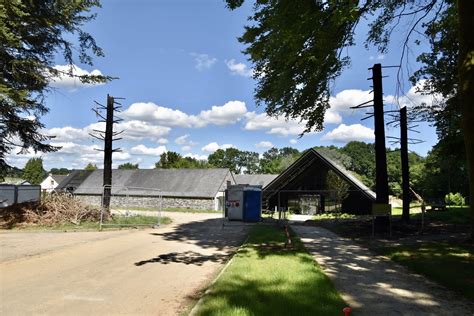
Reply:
x=212 y=147
x=346 y=133
x=240 y=69
x=132 y=130
x=65 y=80
x=332 y=117
x=139 y=130
x=76 y=149
x=151 y=112
x=293 y=141
x=196 y=156
x=344 y=100
x=181 y=140
x=282 y=126
x=378 y=57
x=67 y=133
x=413 y=98
x=278 y=126
x=186 y=148
x=229 y=113
x=264 y=144
x=150 y=151
x=162 y=141
x=121 y=156
x=203 y=61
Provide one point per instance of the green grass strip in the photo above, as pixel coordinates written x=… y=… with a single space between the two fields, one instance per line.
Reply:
x=265 y=278
x=451 y=265
x=88 y=225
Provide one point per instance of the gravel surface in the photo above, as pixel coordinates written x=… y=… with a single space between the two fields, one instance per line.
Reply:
x=128 y=272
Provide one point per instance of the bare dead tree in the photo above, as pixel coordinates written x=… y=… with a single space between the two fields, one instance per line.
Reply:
x=108 y=137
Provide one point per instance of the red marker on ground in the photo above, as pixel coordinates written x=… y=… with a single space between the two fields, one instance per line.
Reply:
x=347 y=311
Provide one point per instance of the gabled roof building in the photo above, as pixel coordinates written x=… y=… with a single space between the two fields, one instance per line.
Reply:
x=305 y=179
x=51 y=182
x=173 y=188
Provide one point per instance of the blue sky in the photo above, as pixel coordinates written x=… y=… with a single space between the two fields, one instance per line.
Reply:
x=188 y=88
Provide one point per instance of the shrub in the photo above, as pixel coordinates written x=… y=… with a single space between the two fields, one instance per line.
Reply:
x=455 y=199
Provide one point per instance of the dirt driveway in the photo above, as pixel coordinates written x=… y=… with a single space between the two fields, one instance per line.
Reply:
x=129 y=272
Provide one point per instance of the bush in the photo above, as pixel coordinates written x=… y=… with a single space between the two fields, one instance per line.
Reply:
x=455 y=199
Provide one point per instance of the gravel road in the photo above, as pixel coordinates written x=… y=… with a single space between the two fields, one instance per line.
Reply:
x=129 y=272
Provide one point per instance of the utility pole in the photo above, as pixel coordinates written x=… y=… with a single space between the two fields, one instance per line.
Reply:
x=381 y=177
x=108 y=136
x=405 y=166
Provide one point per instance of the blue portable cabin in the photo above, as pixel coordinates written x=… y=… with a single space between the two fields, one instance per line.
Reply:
x=244 y=202
x=252 y=211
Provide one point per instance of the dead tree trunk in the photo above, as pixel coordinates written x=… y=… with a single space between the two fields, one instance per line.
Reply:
x=405 y=164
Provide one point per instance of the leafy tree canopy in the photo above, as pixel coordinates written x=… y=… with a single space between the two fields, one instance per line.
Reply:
x=61 y=171
x=173 y=159
x=297 y=47
x=32 y=32
x=90 y=167
x=228 y=158
x=128 y=166
x=33 y=171
x=274 y=160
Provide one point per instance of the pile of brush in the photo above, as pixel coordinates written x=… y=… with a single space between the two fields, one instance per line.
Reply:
x=54 y=209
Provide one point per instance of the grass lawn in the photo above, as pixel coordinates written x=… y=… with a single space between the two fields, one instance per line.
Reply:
x=265 y=278
x=451 y=265
x=130 y=221
x=453 y=215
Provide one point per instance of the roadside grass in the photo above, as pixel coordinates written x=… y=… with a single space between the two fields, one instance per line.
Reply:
x=451 y=265
x=265 y=278
x=169 y=209
x=131 y=221
x=452 y=215
x=325 y=216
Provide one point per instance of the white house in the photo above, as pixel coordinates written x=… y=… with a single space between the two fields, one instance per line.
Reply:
x=51 y=182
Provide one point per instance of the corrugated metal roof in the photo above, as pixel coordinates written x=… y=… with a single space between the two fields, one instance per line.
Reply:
x=73 y=180
x=58 y=177
x=204 y=183
x=255 y=179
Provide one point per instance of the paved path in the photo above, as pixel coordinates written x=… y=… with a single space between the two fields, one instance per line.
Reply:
x=129 y=272
x=374 y=285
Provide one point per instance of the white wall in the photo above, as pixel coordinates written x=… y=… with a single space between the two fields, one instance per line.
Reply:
x=48 y=184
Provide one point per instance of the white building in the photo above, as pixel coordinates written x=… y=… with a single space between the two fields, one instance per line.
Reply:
x=51 y=182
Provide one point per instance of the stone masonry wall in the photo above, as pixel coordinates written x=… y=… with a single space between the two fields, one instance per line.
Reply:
x=150 y=201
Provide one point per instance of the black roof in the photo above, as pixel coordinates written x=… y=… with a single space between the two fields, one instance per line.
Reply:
x=308 y=157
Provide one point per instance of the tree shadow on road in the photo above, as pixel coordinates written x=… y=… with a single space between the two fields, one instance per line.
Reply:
x=209 y=233
x=187 y=257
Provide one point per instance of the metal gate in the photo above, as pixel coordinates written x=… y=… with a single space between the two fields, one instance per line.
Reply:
x=131 y=207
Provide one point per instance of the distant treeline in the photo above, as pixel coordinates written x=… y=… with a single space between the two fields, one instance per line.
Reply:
x=433 y=176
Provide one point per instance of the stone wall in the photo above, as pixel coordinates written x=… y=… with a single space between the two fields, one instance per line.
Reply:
x=150 y=201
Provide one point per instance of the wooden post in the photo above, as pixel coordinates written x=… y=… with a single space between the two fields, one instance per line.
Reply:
x=381 y=179
x=405 y=164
